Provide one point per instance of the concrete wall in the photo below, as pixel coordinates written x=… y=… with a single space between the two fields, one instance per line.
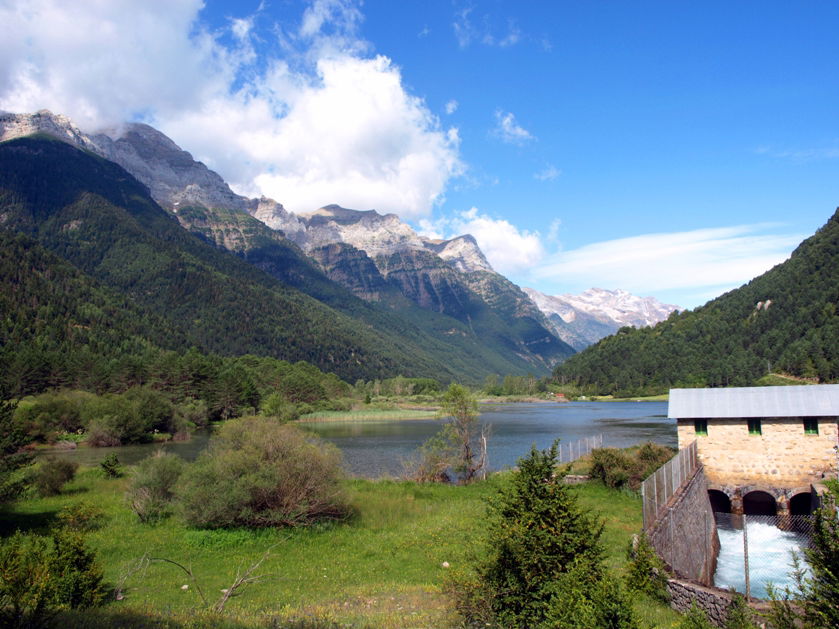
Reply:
x=685 y=534
x=783 y=457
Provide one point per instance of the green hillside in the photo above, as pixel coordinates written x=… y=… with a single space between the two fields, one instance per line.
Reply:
x=782 y=321
x=94 y=215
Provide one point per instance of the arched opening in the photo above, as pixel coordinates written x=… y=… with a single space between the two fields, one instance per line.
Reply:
x=759 y=503
x=720 y=502
x=801 y=504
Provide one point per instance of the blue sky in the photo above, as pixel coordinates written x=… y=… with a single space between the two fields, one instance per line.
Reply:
x=672 y=149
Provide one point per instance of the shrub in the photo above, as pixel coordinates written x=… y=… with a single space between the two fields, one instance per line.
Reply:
x=152 y=488
x=258 y=472
x=645 y=570
x=53 y=474
x=628 y=468
x=544 y=561
x=81 y=516
x=110 y=466
x=113 y=420
x=276 y=406
x=40 y=576
x=51 y=414
x=695 y=618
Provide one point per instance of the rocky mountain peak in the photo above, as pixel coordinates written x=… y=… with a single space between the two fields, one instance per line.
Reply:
x=462 y=252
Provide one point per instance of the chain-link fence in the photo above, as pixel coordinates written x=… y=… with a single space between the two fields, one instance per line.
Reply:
x=756 y=550
x=581 y=447
x=657 y=489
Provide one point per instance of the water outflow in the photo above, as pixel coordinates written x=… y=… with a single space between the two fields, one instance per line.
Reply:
x=770 y=553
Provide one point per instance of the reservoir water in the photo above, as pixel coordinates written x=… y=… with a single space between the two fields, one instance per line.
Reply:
x=377 y=449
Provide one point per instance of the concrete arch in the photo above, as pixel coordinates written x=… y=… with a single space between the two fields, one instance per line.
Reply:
x=720 y=501
x=758 y=502
x=801 y=504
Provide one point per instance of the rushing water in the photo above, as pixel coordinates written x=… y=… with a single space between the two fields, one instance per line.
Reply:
x=379 y=448
x=770 y=555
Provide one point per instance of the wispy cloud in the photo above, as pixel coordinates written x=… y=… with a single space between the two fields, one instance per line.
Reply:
x=703 y=261
x=468 y=29
x=548 y=173
x=508 y=130
x=322 y=121
x=802 y=155
x=451 y=107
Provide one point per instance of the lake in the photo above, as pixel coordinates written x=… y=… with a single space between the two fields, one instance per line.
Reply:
x=377 y=449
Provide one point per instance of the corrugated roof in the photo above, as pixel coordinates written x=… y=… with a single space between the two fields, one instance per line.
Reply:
x=794 y=401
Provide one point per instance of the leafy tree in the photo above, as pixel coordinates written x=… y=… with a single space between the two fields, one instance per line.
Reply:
x=544 y=560
x=459 y=404
x=12 y=460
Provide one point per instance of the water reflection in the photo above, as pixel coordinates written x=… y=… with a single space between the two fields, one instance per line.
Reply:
x=378 y=448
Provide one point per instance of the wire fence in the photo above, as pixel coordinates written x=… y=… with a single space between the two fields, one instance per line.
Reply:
x=579 y=448
x=759 y=550
x=660 y=486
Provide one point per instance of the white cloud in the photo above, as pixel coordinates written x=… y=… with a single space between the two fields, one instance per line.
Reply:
x=704 y=261
x=325 y=123
x=508 y=249
x=451 y=107
x=467 y=31
x=548 y=173
x=800 y=155
x=508 y=130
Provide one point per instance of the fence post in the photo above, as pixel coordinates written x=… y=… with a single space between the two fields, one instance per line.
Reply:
x=746 y=557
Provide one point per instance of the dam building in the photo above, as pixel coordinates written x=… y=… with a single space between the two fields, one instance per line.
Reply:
x=763 y=449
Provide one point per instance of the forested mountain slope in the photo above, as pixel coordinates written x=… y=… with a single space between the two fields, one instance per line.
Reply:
x=784 y=321
x=93 y=214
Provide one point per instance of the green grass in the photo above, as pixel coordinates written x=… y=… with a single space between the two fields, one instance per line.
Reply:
x=380 y=568
x=369 y=415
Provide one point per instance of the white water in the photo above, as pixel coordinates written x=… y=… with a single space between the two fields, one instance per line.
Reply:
x=770 y=558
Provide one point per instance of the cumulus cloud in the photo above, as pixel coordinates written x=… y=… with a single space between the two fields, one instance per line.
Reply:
x=548 y=173
x=451 y=107
x=508 y=248
x=508 y=130
x=706 y=261
x=324 y=121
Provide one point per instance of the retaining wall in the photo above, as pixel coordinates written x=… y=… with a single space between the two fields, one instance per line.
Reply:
x=685 y=535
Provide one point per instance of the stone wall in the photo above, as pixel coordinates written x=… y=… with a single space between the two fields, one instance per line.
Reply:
x=714 y=602
x=685 y=534
x=783 y=456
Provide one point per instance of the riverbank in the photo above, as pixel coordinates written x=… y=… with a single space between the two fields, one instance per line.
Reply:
x=394 y=414
x=383 y=568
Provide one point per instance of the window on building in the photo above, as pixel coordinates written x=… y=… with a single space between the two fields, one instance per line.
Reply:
x=754 y=427
x=700 y=427
x=811 y=426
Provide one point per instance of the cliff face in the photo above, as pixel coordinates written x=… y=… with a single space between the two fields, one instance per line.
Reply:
x=353 y=269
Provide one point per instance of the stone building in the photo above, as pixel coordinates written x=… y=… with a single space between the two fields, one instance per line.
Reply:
x=762 y=447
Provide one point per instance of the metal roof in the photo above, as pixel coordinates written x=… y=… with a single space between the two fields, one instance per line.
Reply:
x=793 y=401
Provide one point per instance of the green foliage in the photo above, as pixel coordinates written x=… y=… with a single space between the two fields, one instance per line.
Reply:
x=628 y=467
x=462 y=406
x=739 y=615
x=695 y=618
x=259 y=472
x=821 y=603
x=81 y=516
x=275 y=405
x=645 y=571
x=50 y=414
x=12 y=460
x=544 y=560
x=435 y=458
x=52 y=474
x=40 y=576
x=785 y=320
x=152 y=488
x=110 y=466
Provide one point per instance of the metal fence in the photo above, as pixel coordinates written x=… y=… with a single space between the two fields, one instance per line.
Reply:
x=579 y=448
x=660 y=486
x=758 y=550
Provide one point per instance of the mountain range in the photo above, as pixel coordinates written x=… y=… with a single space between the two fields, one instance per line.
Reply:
x=439 y=301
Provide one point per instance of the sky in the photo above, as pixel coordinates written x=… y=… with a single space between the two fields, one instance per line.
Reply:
x=671 y=149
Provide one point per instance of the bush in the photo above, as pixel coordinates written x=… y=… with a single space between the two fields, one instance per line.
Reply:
x=81 y=516
x=113 y=420
x=40 y=576
x=276 y=406
x=110 y=466
x=152 y=489
x=695 y=618
x=51 y=414
x=544 y=561
x=645 y=570
x=53 y=474
x=628 y=468
x=259 y=472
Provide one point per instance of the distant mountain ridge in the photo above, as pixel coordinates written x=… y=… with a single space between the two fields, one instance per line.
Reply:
x=582 y=320
x=406 y=273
